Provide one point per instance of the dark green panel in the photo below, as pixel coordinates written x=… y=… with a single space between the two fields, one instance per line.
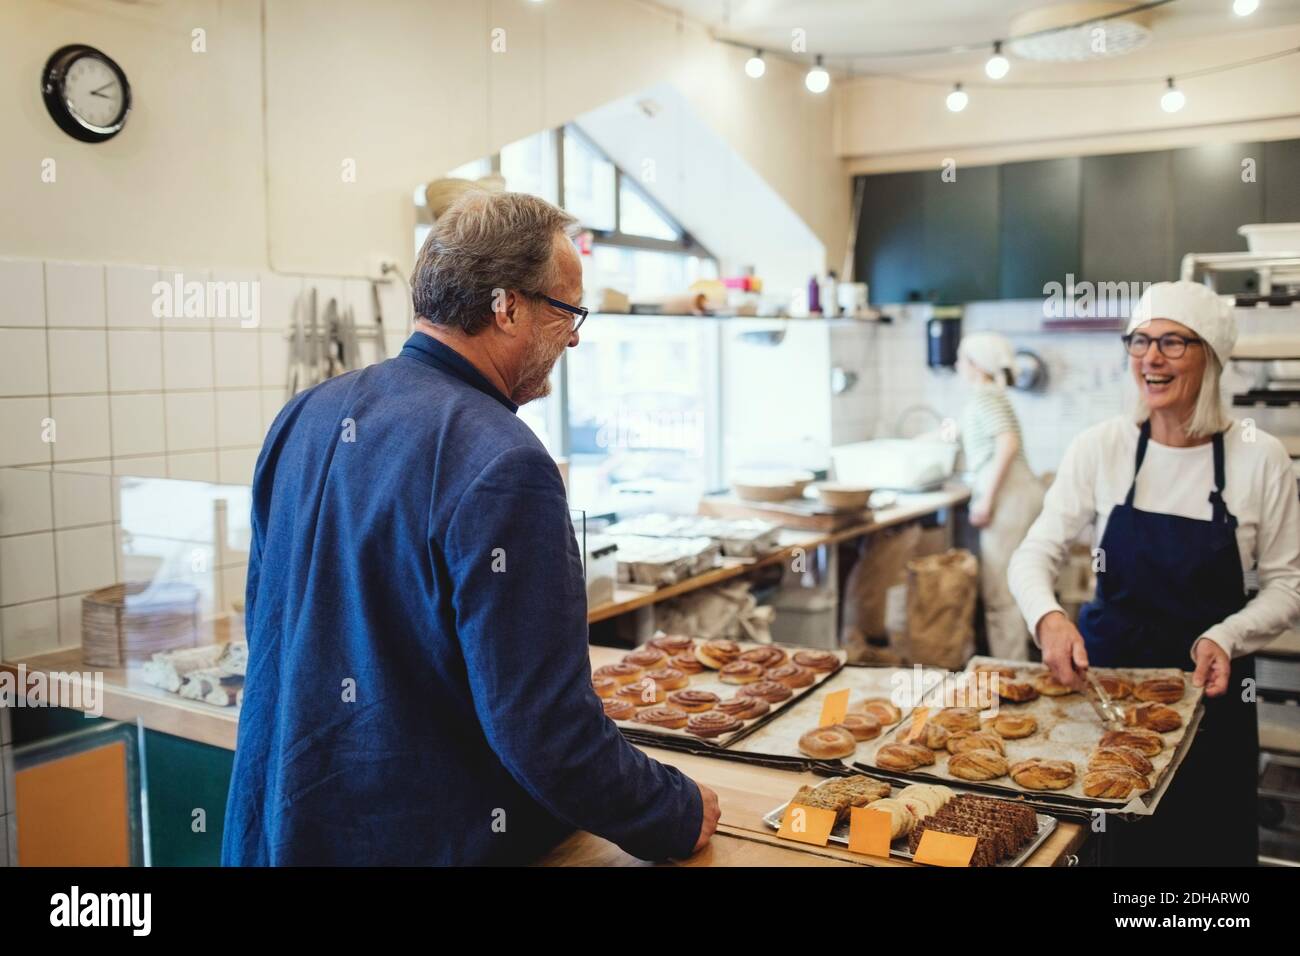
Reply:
x=1281 y=175
x=1223 y=202
x=1038 y=229
x=961 y=234
x=1128 y=218
x=184 y=776
x=30 y=724
x=889 y=247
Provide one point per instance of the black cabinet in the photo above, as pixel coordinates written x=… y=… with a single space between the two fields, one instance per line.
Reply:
x=1007 y=231
x=889 y=248
x=1038 y=225
x=1127 y=218
x=1216 y=190
x=960 y=234
x=1280 y=172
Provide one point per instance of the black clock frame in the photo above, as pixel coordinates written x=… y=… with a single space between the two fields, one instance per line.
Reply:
x=52 y=79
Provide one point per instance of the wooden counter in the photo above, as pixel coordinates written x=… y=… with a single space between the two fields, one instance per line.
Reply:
x=125 y=696
x=745 y=793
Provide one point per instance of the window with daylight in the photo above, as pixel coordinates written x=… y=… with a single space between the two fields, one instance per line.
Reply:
x=529 y=166
x=643 y=396
x=638 y=216
x=589 y=183
x=635 y=407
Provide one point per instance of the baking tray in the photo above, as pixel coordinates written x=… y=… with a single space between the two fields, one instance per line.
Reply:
x=663 y=562
x=781 y=737
x=840 y=834
x=708 y=680
x=1069 y=729
x=738 y=537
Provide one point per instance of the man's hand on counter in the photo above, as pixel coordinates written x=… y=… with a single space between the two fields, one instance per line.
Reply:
x=709 y=823
x=1063 y=650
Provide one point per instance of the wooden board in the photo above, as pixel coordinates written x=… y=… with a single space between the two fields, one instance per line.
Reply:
x=802 y=513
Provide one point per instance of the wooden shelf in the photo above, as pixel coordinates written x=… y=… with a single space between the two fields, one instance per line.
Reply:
x=908 y=508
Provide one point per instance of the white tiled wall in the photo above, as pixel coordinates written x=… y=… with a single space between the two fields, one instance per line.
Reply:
x=91 y=380
x=1086 y=378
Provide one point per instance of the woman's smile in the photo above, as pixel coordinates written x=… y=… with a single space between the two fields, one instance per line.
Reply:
x=1165 y=383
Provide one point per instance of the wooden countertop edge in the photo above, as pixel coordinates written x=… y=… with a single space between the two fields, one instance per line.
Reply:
x=171 y=714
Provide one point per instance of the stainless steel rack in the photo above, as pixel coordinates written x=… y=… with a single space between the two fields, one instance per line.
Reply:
x=1281 y=270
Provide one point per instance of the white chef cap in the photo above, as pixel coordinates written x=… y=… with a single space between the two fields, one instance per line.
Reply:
x=1193 y=305
x=989 y=352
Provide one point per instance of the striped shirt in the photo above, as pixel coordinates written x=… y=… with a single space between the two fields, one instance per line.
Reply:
x=986 y=415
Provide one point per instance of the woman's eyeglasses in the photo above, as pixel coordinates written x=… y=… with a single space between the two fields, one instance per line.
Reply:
x=1171 y=345
x=578 y=312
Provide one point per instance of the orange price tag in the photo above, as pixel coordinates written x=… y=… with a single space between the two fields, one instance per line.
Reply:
x=919 y=717
x=869 y=831
x=834 y=707
x=810 y=825
x=944 y=849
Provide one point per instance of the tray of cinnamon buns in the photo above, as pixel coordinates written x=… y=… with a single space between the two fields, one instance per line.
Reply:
x=1012 y=726
x=707 y=691
x=876 y=705
x=1006 y=832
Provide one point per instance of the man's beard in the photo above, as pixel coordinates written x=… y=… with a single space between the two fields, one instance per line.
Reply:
x=535 y=382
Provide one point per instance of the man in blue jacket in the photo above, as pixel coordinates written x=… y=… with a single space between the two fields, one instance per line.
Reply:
x=418 y=687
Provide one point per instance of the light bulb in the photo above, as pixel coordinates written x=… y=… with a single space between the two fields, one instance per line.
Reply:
x=755 y=66
x=997 y=65
x=957 y=99
x=1173 y=100
x=1244 y=8
x=817 y=80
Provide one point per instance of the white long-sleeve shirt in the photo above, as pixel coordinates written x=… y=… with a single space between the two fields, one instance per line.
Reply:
x=1094 y=477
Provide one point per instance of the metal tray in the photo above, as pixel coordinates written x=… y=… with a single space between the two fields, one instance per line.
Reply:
x=708 y=680
x=1067 y=730
x=840 y=834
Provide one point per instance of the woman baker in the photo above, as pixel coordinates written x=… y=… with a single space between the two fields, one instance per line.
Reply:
x=1185 y=503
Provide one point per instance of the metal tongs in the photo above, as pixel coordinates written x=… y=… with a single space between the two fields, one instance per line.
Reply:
x=1112 y=717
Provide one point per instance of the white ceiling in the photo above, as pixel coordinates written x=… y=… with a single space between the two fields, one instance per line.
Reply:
x=867 y=29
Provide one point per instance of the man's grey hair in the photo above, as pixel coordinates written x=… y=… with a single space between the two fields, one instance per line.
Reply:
x=483 y=243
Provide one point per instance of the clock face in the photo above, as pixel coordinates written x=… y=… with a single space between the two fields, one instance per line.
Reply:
x=93 y=92
x=86 y=93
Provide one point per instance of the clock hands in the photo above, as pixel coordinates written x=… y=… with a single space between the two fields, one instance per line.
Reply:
x=100 y=91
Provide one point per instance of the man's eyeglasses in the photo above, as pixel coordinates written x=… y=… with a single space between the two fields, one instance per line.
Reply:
x=1171 y=345
x=578 y=312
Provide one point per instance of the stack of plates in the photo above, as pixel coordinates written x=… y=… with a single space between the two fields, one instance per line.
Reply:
x=132 y=622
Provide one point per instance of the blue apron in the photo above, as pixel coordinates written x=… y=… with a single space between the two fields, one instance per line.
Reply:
x=1166 y=581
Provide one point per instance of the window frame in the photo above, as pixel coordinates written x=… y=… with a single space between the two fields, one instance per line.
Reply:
x=687 y=245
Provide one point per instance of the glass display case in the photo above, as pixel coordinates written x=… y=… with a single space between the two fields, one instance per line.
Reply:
x=139 y=577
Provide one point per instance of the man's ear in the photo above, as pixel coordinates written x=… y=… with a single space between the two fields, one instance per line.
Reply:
x=505 y=306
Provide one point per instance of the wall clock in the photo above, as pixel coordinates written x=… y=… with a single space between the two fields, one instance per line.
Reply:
x=86 y=93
